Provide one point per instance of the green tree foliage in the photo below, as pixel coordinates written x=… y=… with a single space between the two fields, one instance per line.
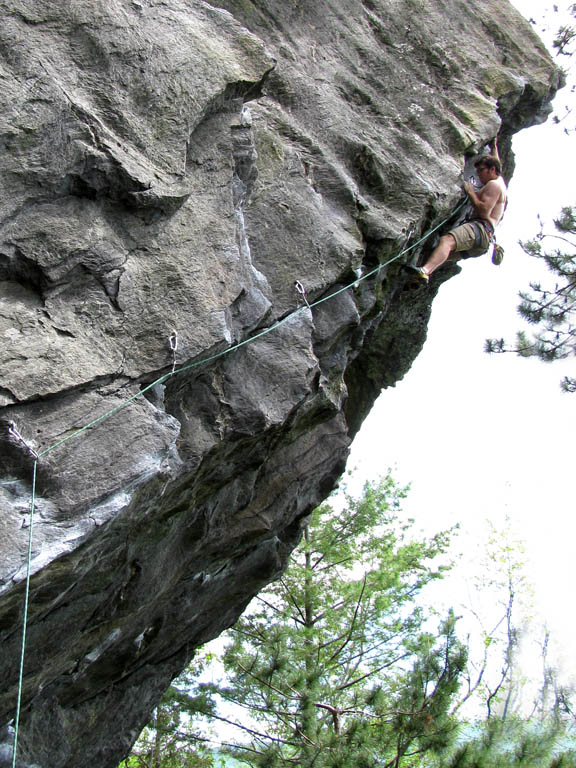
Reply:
x=520 y=724
x=550 y=308
x=563 y=42
x=511 y=743
x=167 y=743
x=504 y=592
x=334 y=664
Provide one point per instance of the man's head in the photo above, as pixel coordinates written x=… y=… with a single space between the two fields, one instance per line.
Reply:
x=490 y=165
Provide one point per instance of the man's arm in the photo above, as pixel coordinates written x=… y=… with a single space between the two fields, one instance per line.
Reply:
x=486 y=201
x=494 y=149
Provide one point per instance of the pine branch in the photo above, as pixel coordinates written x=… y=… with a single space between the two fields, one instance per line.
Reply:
x=269 y=685
x=292 y=599
x=334 y=564
x=256 y=636
x=334 y=607
x=549 y=236
x=558 y=293
x=256 y=734
x=272 y=607
x=364 y=652
x=367 y=675
x=254 y=707
x=352 y=623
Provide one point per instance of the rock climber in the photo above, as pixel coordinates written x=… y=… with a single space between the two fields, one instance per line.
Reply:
x=476 y=235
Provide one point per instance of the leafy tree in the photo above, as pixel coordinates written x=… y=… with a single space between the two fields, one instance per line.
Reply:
x=503 y=589
x=513 y=743
x=552 y=308
x=509 y=729
x=334 y=664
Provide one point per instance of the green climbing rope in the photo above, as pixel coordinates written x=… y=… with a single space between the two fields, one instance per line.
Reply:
x=25 y=617
x=141 y=392
x=250 y=339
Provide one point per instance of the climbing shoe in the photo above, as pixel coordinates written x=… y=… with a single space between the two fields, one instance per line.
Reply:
x=417 y=274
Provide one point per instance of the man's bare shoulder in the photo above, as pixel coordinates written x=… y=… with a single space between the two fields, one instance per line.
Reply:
x=493 y=188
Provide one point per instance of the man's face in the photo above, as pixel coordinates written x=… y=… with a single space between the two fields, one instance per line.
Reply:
x=484 y=173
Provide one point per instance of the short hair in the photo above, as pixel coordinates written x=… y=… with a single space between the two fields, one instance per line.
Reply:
x=490 y=162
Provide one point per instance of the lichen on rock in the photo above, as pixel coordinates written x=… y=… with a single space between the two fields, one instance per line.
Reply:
x=170 y=171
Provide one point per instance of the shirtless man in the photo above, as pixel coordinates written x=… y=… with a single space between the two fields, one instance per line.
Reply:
x=476 y=235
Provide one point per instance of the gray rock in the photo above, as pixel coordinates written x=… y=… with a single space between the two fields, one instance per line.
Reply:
x=170 y=170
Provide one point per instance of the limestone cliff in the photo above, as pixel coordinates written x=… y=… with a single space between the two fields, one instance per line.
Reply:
x=170 y=169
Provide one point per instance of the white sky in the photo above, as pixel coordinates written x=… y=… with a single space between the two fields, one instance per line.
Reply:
x=481 y=436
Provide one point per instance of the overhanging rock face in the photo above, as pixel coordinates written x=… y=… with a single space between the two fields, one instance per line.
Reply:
x=170 y=170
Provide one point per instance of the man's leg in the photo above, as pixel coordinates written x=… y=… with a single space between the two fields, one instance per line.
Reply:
x=445 y=248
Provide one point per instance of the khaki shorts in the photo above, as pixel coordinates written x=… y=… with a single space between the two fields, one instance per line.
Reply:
x=465 y=236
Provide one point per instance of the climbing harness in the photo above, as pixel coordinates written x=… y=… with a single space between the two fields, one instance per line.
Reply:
x=173 y=344
x=480 y=225
x=497 y=251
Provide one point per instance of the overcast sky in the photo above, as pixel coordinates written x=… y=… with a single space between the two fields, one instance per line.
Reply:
x=485 y=437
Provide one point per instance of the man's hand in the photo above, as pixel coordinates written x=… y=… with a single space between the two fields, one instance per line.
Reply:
x=493 y=145
x=469 y=189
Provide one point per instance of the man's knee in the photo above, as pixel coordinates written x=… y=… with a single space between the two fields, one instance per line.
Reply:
x=448 y=243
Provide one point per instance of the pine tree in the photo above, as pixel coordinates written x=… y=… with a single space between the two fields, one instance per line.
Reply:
x=335 y=665
x=563 y=42
x=552 y=308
